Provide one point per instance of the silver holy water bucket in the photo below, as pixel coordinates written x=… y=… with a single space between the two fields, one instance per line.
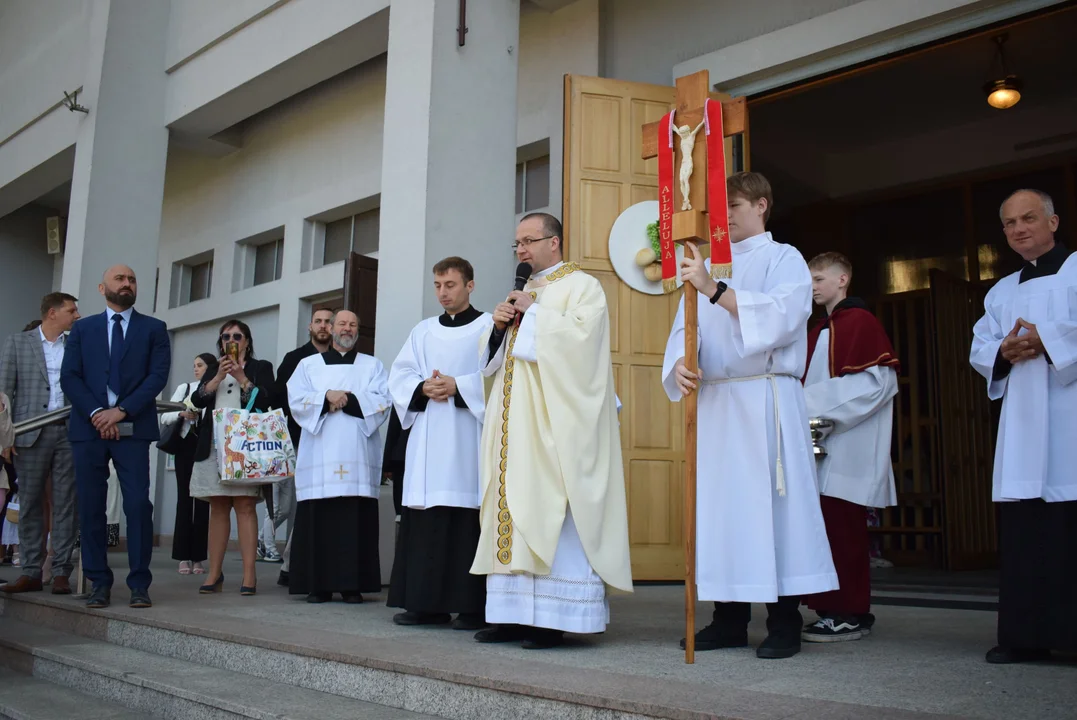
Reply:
x=820 y=428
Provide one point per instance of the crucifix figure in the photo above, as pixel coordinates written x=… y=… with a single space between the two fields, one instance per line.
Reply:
x=688 y=143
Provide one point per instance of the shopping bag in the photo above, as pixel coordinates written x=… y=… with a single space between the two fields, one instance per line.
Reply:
x=253 y=448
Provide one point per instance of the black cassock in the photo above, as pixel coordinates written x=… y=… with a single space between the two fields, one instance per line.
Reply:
x=335 y=540
x=1037 y=603
x=435 y=547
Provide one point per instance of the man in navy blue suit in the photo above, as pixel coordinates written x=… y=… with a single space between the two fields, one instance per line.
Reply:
x=115 y=365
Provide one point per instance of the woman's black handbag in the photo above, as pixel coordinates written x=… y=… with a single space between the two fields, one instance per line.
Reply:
x=172 y=439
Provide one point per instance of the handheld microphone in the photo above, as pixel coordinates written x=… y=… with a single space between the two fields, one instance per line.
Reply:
x=523 y=273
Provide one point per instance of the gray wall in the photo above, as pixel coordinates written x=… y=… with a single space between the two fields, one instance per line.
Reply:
x=26 y=268
x=641 y=40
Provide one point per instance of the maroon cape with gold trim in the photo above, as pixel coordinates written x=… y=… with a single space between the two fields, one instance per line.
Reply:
x=857 y=340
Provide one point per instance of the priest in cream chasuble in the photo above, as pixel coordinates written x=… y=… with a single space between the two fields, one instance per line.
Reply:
x=760 y=536
x=437 y=389
x=554 y=518
x=339 y=398
x=1025 y=346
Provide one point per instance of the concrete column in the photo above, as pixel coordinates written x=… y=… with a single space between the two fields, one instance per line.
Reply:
x=448 y=157
x=290 y=312
x=118 y=181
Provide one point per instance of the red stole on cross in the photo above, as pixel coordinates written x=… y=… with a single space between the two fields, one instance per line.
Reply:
x=717 y=202
x=857 y=340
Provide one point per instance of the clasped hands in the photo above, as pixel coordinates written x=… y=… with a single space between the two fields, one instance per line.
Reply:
x=337 y=399
x=105 y=422
x=515 y=304
x=440 y=388
x=1017 y=348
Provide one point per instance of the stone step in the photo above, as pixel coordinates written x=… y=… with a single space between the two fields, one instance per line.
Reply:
x=358 y=653
x=152 y=685
x=29 y=698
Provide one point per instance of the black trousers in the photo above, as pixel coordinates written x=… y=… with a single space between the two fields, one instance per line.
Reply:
x=191 y=536
x=783 y=617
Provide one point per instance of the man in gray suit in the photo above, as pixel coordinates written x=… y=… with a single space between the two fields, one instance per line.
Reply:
x=30 y=376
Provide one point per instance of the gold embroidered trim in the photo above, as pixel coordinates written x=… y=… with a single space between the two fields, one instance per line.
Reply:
x=504 y=517
x=566 y=269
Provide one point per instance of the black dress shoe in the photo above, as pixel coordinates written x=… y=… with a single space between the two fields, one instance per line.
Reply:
x=778 y=646
x=1005 y=656
x=319 y=597
x=543 y=639
x=140 y=599
x=282 y=579
x=100 y=597
x=502 y=634
x=716 y=637
x=468 y=621
x=418 y=618
x=352 y=598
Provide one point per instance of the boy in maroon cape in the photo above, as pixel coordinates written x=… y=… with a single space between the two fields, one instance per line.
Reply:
x=851 y=381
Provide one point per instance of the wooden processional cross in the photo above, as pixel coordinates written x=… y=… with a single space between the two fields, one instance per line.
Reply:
x=691 y=226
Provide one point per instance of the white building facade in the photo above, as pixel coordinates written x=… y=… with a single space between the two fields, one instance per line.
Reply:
x=234 y=152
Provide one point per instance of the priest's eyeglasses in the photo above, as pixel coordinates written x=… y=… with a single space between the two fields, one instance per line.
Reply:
x=528 y=242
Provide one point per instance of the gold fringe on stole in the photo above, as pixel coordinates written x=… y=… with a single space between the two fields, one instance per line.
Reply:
x=669 y=285
x=722 y=271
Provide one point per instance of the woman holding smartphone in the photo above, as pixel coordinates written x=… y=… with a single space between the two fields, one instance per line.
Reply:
x=239 y=375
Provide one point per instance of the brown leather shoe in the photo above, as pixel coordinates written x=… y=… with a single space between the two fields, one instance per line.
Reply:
x=24 y=584
x=61 y=585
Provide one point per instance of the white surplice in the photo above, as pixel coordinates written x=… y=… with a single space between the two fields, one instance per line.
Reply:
x=340 y=455
x=441 y=467
x=754 y=543
x=1036 y=451
x=857 y=466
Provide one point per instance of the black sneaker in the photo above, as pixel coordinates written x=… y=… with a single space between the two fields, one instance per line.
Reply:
x=867 y=622
x=319 y=597
x=282 y=579
x=715 y=637
x=778 y=646
x=832 y=629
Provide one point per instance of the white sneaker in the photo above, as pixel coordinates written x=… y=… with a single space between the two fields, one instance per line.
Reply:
x=271 y=554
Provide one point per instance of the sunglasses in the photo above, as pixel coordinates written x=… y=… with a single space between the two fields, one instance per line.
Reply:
x=234 y=337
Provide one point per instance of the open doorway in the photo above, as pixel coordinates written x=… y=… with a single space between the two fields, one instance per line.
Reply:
x=902 y=165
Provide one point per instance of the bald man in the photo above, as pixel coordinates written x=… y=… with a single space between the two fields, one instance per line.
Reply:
x=339 y=398
x=1025 y=346
x=115 y=364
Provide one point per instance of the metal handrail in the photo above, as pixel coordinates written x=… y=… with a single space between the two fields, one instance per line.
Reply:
x=58 y=416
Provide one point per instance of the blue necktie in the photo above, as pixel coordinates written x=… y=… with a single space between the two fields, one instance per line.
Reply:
x=115 y=353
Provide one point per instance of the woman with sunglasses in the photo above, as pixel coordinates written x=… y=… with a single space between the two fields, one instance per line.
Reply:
x=231 y=387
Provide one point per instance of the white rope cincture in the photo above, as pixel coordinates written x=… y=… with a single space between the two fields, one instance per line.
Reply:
x=779 y=468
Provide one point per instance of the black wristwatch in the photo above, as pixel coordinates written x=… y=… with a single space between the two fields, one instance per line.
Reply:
x=125 y=413
x=722 y=287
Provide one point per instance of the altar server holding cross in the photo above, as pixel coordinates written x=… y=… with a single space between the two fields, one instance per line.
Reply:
x=761 y=536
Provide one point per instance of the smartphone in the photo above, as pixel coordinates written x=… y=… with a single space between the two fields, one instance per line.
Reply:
x=231 y=349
